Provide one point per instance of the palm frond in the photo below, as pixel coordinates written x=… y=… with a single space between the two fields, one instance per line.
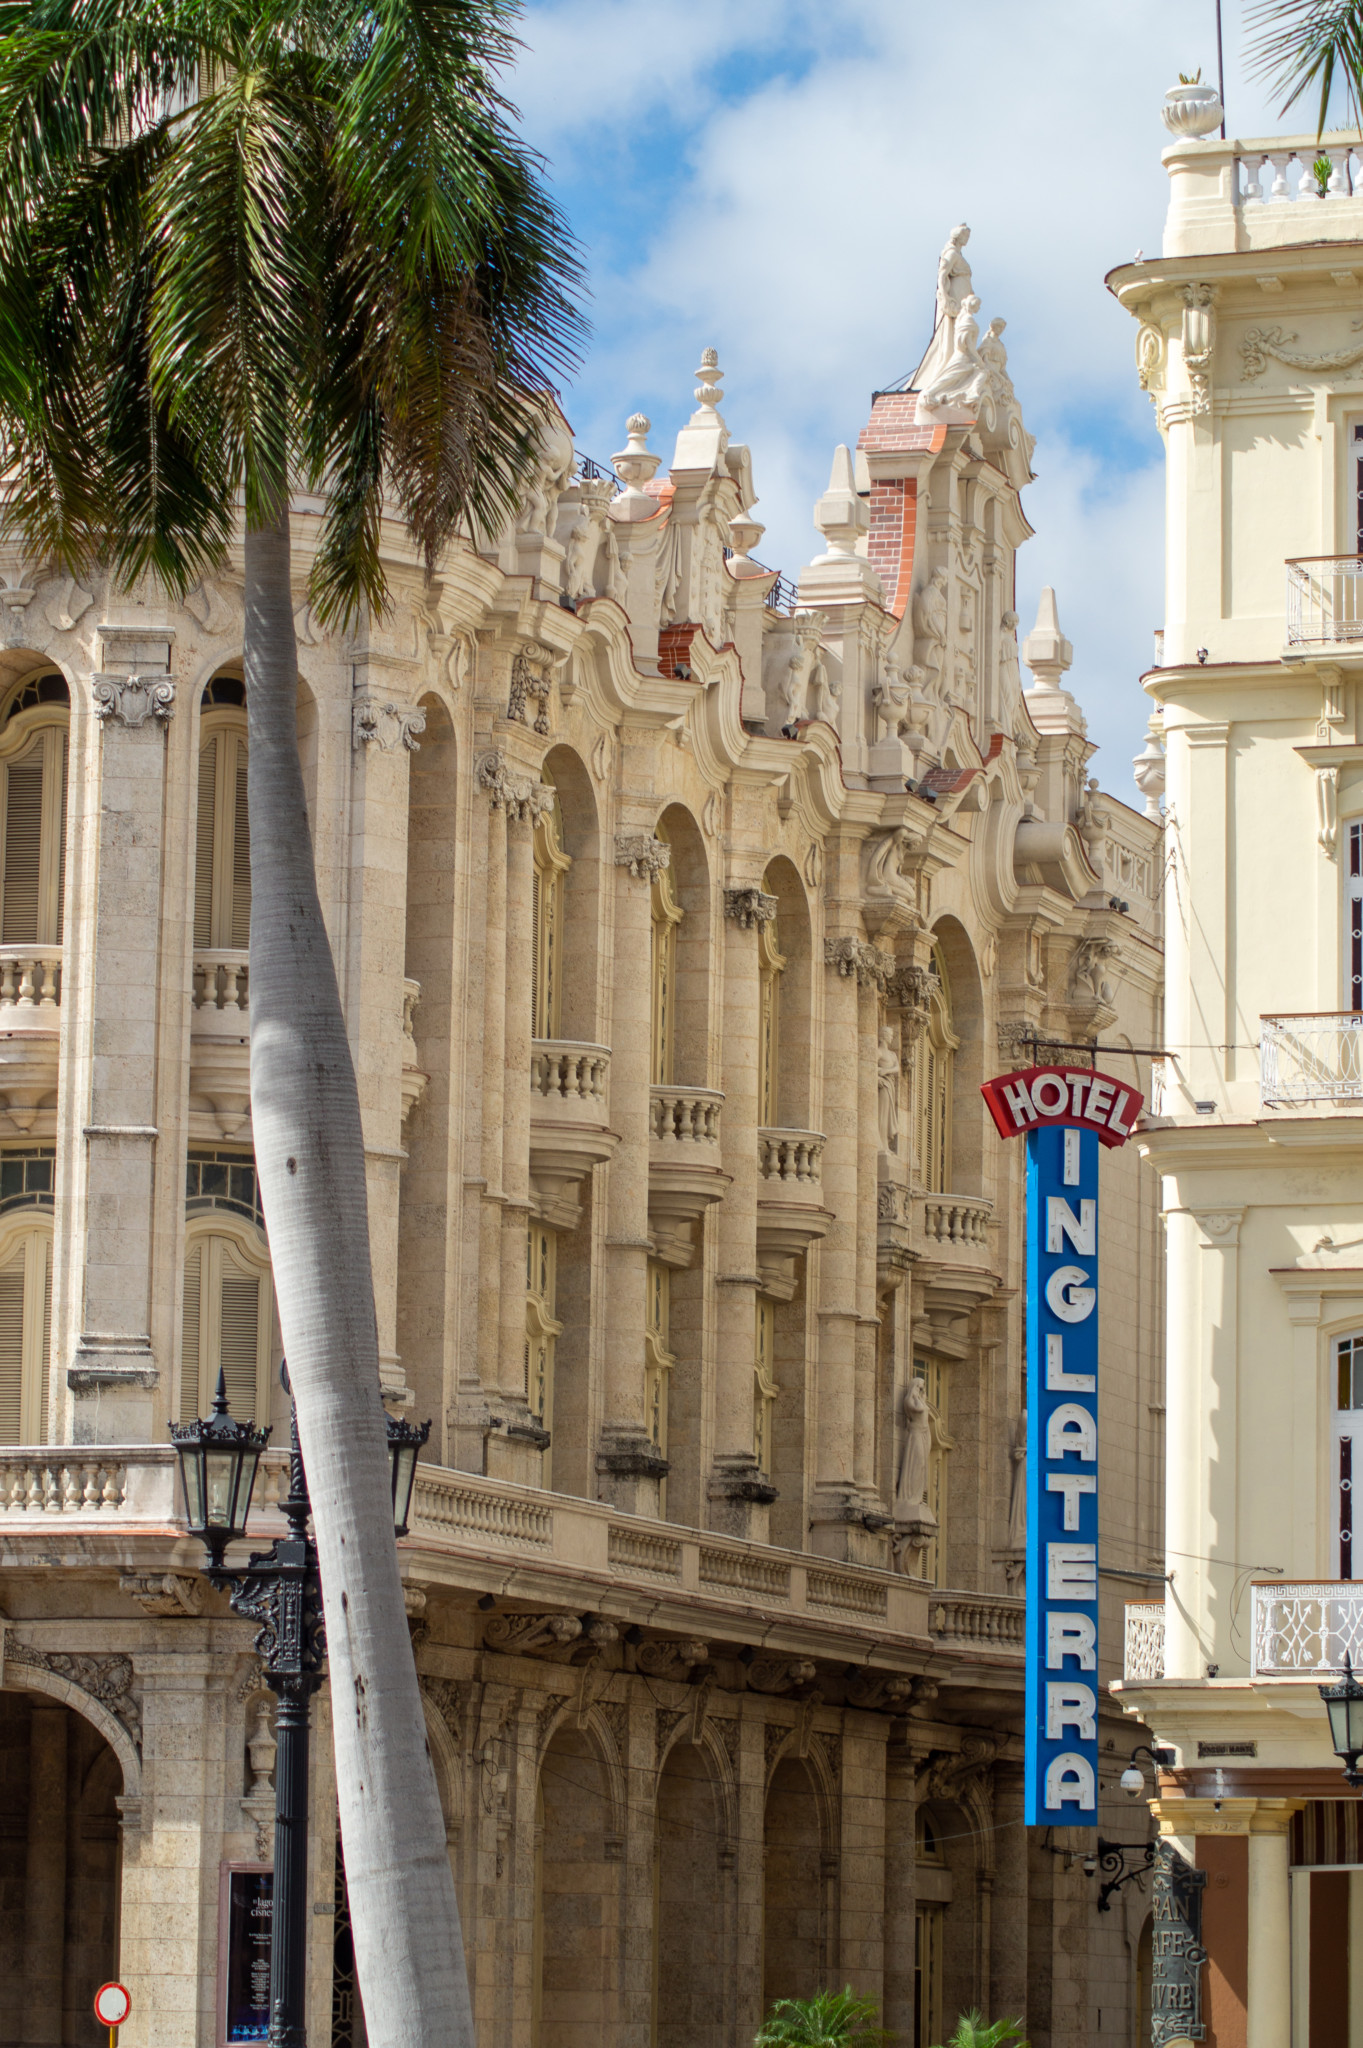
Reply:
x=1305 y=43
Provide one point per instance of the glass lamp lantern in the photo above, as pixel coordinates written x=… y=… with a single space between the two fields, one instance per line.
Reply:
x=1344 y=1705
x=218 y=1462
x=404 y=1442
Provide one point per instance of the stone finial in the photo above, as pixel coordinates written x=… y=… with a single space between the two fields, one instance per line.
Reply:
x=841 y=575
x=635 y=466
x=702 y=441
x=1046 y=651
x=1148 y=767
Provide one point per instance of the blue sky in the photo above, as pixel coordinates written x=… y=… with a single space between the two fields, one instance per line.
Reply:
x=775 y=181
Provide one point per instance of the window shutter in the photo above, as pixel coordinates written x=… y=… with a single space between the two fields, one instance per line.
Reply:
x=189 y=1343
x=61 y=843
x=203 y=844
x=12 y=1347
x=45 y=1363
x=239 y=1328
x=23 y=849
x=241 y=857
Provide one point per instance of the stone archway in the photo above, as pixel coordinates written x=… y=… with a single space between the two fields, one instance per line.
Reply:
x=60 y=1781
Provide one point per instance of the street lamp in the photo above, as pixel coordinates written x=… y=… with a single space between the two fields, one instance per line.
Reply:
x=1132 y=1780
x=281 y=1591
x=1344 y=1705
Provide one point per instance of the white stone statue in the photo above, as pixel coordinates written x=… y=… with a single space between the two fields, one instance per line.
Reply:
x=930 y=622
x=993 y=353
x=581 y=556
x=890 y=700
x=953 y=274
x=965 y=379
x=1010 y=680
x=911 y=1484
x=887 y=1084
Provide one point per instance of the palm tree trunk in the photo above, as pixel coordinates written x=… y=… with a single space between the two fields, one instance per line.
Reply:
x=310 y=1158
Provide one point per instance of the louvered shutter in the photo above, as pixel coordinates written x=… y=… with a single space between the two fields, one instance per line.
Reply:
x=241 y=857
x=45 y=1362
x=12 y=1347
x=189 y=1342
x=238 y=1308
x=203 y=843
x=23 y=849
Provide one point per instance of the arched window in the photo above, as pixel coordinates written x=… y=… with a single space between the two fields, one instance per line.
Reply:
x=222 y=840
x=929 y=1916
x=33 y=769
x=666 y=915
x=933 y=1085
x=25 y=1328
x=227 y=1317
x=551 y=866
x=770 y=963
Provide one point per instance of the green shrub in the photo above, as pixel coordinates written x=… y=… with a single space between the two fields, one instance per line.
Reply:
x=833 y=2019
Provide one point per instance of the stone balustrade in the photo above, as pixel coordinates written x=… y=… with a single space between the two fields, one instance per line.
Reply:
x=30 y=978
x=791 y=1155
x=684 y=1116
x=562 y=1547
x=562 y=1070
x=960 y=1221
x=1143 y=1649
x=221 y=982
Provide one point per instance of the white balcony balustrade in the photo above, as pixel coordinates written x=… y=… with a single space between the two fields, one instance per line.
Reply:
x=1314 y=1058
x=790 y=1211
x=568 y=1128
x=957 y=1224
x=30 y=999
x=1306 y=1630
x=1143 y=1652
x=1325 y=601
x=684 y=1171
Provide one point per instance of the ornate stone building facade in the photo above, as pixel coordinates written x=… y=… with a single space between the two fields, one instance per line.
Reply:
x=679 y=913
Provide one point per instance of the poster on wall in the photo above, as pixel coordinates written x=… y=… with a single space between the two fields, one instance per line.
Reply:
x=1068 y=1117
x=245 y=1972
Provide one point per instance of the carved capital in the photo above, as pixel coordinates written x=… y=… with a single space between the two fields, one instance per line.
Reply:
x=749 y=908
x=872 y=968
x=642 y=854
x=522 y=1634
x=912 y=990
x=386 y=726
x=520 y=796
x=132 y=700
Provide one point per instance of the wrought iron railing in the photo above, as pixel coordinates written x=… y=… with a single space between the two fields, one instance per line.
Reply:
x=1143 y=1656
x=1324 y=600
x=1302 y=1630
x=1313 y=1057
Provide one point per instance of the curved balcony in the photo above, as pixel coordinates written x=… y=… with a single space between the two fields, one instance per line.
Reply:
x=220 y=1041
x=954 y=1260
x=684 y=1171
x=790 y=1212
x=568 y=1133
x=30 y=999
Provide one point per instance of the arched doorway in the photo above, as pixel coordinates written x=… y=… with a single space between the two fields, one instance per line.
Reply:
x=688 y=1937
x=577 y=1916
x=794 y=1916
x=59 y=1872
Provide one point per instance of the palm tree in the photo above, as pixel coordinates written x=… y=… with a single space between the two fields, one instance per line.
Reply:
x=971 y=2032
x=248 y=246
x=1302 y=43
x=831 y=2019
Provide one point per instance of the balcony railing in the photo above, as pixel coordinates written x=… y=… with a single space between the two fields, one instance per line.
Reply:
x=31 y=978
x=1316 y=1056
x=791 y=1156
x=1144 y=1648
x=959 y=1220
x=1304 y=1631
x=563 y=1070
x=684 y=1116
x=1324 y=600
x=221 y=982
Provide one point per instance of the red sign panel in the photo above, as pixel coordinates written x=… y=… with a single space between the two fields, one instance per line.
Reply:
x=1037 y=1096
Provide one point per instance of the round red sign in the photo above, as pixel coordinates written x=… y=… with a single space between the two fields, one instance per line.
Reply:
x=112 y=2005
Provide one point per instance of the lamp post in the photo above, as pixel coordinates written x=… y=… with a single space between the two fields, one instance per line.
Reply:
x=280 y=1590
x=1344 y=1705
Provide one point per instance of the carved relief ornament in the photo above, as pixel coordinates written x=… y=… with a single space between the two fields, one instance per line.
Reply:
x=520 y=796
x=642 y=854
x=132 y=700
x=749 y=908
x=1262 y=342
x=386 y=726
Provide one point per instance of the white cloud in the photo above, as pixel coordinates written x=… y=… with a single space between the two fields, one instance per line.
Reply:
x=780 y=179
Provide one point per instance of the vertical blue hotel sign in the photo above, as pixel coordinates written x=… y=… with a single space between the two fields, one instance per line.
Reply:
x=1067 y=1116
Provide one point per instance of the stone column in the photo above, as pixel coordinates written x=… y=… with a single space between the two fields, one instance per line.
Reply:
x=901 y=1889
x=1008 y=1947
x=739 y=1493
x=1268 y=2001
x=628 y=1466
x=383 y=735
x=835 y=1509
x=868 y=1325
x=862 y=1852
x=45 y=1875
x=522 y=1439
x=168 y=1944
x=113 y=1044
